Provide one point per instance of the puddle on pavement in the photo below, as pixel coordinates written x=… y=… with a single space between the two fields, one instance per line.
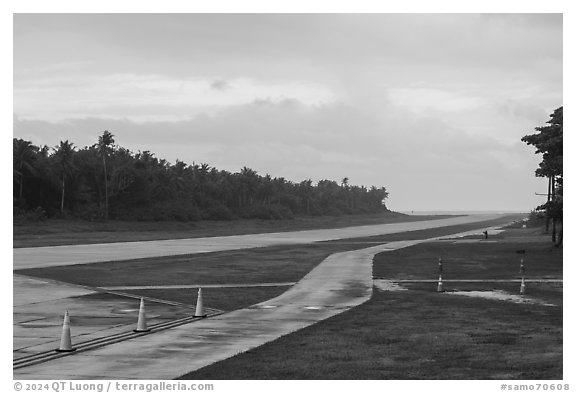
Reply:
x=466 y=241
x=502 y=296
x=98 y=321
x=125 y=310
x=385 y=285
x=39 y=324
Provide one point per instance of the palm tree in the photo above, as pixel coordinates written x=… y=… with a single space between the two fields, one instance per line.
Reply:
x=23 y=155
x=105 y=142
x=307 y=190
x=63 y=154
x=248 y=183
x=346 y=189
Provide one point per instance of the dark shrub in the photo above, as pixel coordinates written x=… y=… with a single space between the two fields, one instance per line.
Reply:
x=34 y=215
x=280 y=212
x=218 y=212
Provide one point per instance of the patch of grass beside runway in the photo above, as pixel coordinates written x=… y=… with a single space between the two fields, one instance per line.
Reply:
x=411 y=335
x=482 y=260
x=250 y=266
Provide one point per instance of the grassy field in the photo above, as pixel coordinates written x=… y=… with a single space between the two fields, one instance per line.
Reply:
x=481 y=260
x=63 y=232
x=411 y=335
x=421 y=334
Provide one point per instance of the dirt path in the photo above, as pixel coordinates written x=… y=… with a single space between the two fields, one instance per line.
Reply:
x=340 y=282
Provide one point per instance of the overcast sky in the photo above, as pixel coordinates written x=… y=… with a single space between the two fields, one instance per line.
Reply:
x=430 y=106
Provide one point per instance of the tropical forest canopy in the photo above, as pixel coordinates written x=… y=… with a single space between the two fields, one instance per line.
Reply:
x=108 y=181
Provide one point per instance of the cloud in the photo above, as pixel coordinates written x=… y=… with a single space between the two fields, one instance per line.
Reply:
x=423 y=98
x=149 y=97
x=220 y=85
x=416 y=156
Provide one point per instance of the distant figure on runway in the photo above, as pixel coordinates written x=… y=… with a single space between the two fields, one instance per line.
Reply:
x=485 y=234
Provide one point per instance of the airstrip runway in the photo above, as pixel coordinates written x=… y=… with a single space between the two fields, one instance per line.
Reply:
x=25 y=258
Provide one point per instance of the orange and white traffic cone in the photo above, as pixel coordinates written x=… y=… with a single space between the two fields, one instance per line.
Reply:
x=199 y=305
x=142 y=327
x=65 y=339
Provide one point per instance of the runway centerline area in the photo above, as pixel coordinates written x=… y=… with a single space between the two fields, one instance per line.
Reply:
x=34 y=257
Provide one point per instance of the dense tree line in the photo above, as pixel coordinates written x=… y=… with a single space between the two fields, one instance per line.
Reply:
x=548 y=142
x=108 y=181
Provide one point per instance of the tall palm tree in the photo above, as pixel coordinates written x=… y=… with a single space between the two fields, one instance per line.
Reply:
x=23 y=155
x=105 y=143
x=64 y=154
x=308 y=190
x=346 y=189
x=248 y=183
